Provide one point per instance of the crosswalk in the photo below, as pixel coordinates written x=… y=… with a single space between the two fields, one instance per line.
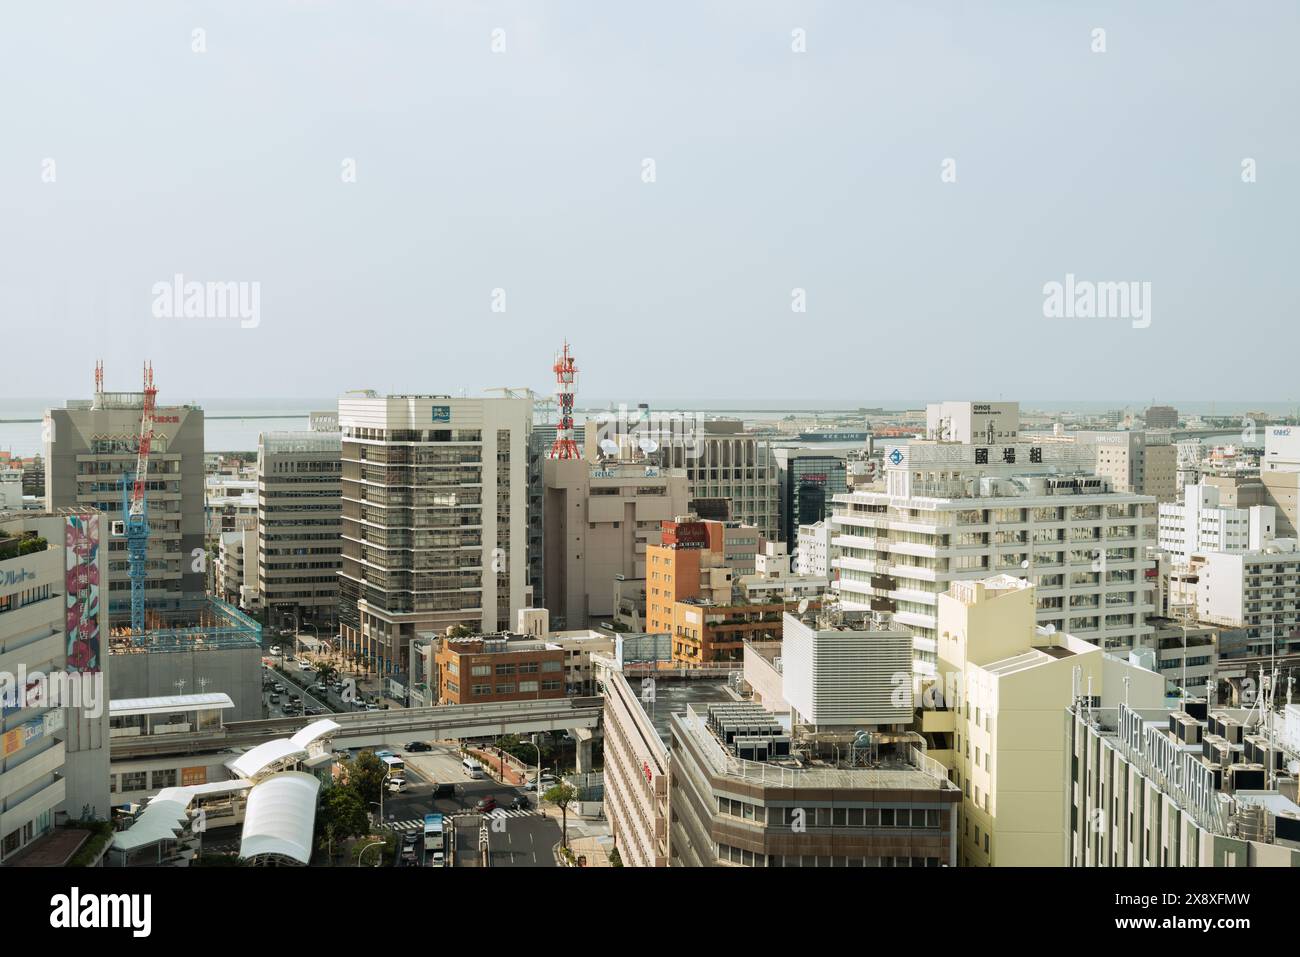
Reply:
x=417 y=824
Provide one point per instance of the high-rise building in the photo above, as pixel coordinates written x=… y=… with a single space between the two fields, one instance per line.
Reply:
x=91 y=445
x=952 y=511
x=435 y=518
x=540 y=442
x=721 y=459
x=807 y=480
x=600 y=520
x=1161 y=417
x=54 y=740
x=299 y=521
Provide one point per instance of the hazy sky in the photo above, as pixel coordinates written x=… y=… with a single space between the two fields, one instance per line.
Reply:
x=522 y=170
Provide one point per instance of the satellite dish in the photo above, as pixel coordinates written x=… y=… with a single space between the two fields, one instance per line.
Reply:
x=1050 y=628
x=803 y=605
x=648 y=445
x=609 y=446
x=1025 y=563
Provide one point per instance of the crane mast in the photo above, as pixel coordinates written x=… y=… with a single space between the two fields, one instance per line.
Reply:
x=135 y=509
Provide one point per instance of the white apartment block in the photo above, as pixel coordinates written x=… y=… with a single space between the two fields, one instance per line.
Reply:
x=814 y=553
x=773 y=581
x=1199 y=523
x=1255 y=590
x=956 y=511
x=435 y=519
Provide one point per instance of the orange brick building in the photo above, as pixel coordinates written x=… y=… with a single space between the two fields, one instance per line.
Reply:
x=497 y=668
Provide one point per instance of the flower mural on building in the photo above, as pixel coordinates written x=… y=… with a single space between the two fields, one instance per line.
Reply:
x=82 y=575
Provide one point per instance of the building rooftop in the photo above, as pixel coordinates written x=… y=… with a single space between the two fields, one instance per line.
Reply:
x=671 y=696
x=882 y=761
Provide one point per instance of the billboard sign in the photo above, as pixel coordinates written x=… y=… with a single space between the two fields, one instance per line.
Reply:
x=685 y=534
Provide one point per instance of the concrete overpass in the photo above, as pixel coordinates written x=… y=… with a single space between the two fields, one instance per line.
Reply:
x=394 y=726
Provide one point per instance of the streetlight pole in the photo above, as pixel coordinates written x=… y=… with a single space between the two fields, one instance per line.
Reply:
x=368 y=847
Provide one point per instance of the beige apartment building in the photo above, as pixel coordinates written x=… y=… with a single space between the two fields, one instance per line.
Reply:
x=997 y=718
x=1144 y=463
x=600 y=519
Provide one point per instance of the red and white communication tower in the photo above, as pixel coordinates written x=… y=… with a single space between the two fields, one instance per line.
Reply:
x=566 y=378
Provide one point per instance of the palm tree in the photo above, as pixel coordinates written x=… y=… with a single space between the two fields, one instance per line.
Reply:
x=326 y=672
x=561 y=794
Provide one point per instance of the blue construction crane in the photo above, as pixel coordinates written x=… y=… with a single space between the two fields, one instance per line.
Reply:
x=135 y=509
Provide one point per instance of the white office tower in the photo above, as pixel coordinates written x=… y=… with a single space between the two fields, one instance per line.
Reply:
x=846 y=670
x=435 y=519
x=1200 y=524
x=960 y=510
x=53 y=673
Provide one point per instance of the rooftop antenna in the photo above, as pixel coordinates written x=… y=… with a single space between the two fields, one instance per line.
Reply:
x=566 y=378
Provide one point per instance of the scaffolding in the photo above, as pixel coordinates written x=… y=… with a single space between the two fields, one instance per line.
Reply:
x=194 y=624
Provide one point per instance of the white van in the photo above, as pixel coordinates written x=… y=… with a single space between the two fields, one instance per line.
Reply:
x=396 y=785
x=472 y=768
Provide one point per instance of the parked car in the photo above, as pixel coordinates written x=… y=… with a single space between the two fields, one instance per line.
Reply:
x=547 y=781
x=275 y=699
x=486 y=804
x=413 y=746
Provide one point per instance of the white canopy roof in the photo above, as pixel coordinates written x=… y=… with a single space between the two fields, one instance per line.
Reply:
x=281 y=817
x=251 y=763
x=167 y=704
x=160 y=821
x=314 y=732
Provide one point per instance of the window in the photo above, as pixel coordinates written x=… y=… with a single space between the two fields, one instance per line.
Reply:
x=164 y=778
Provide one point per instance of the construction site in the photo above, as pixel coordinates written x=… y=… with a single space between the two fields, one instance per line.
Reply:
x=142 y=465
